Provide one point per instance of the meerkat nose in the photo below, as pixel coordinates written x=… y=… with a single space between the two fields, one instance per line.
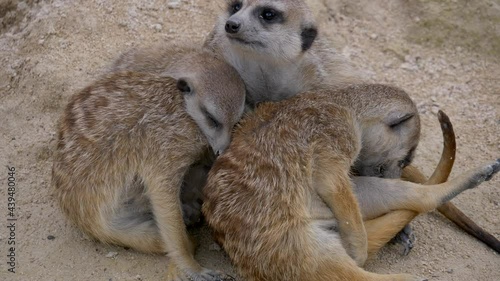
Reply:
x=232 y=26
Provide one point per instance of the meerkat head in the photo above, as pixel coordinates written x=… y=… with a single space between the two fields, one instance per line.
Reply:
x=278 y=29
x=214 y=96
x=389 y=144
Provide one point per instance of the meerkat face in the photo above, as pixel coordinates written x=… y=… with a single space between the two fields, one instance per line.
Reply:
x=216 y=104
x=388 y=146
x=280 y=29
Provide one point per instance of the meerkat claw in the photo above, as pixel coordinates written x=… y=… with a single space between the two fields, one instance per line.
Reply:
x=406 y=237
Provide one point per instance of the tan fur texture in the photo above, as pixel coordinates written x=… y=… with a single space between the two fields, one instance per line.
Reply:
x=125 y=144
x=281 y=201
x=275 y=64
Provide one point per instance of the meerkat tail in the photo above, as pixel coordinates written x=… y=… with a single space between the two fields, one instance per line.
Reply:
x=449 y=210
x=394 y=221
x=445 y=165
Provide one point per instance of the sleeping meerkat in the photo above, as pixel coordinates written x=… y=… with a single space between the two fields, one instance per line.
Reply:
x=161 y=60
x=125 y=144
x=277 y=49
x=281 y=200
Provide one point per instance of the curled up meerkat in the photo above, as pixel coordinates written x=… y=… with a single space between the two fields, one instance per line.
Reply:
x=125 y=144
x=281 y=201
x=278 y=50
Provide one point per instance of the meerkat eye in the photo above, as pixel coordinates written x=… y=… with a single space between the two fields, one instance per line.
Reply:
x=235 y=7
x=408 y=159
x=213 y=122
x=381 y=170
x=269 y=15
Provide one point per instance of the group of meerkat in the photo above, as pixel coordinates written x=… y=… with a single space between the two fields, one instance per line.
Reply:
x=303 y=186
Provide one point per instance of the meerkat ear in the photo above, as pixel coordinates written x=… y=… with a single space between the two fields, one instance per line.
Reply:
x=396 y=119
x=308 y=35
x=184 y=86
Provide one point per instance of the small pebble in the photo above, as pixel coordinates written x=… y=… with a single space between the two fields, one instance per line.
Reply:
x=173 y=4
x=157 y=27
x=112 y=255
x=51 y=237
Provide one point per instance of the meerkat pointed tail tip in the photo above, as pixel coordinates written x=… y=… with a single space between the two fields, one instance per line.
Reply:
x=445 y=165
x=443 y=170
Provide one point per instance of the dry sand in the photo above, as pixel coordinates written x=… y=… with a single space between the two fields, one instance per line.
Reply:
x=446 y=54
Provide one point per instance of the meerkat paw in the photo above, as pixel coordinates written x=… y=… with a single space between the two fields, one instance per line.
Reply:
x=484 y=173
x=495 y=167
x=407 y=238
x=205 y=274
x=191 y=213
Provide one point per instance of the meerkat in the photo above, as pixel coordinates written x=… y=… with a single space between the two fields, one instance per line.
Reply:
x=161 y=59
x=281 y=201
x=278 y=50
x=275 y=47
x=125 y=144
x=383 y=228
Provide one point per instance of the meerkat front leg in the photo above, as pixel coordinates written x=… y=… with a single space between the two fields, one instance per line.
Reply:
x=333 y=185
x=165 y=201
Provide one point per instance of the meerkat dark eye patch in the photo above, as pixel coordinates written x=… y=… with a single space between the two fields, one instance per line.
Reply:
x=270 y=15
x=308 y=36
x=408 y=158
x=235 y=7
x=400 y=120
x=212 y=122
x=183 y=86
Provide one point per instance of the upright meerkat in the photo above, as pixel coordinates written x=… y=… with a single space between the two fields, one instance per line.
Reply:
x=277 y=49
x=125 y=144
x=281 y=201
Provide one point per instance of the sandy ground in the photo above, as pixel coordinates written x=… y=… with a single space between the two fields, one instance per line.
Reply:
x=446 y=54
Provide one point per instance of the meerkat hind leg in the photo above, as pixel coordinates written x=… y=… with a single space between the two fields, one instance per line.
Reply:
x=387 y=211
x=336 y=191
x=378 y=196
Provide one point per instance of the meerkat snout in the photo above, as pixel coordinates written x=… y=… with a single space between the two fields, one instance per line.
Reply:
x=232 y=26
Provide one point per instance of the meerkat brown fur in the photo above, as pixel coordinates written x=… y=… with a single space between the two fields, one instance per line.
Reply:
x=281 y=200
x=125 y=144
x=277 y=48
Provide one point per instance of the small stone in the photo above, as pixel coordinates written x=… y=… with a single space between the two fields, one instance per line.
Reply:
x=450 y=271
x=157 y=27
x=409 y=66
x=173 y=4
x=435 y=109
x=138 y=277
x=112 y=255
x=374 y=36
x=51 y=237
